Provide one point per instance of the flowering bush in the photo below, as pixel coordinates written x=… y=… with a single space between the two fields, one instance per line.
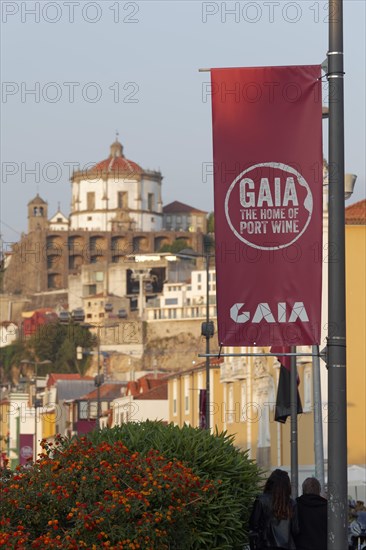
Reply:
x=223 y=522
x=81 y=494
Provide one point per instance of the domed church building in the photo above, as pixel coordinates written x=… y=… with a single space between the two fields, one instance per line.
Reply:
x=116 y=213
x=116 y=195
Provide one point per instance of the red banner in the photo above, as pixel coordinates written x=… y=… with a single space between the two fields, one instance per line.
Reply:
x=268 y=176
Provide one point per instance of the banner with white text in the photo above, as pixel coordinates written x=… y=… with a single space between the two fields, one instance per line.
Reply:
x=268 y=179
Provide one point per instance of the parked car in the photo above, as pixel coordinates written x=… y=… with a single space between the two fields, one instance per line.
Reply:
x=78 y=315
x=64 y=316
x=122 y=313
x=108 y=307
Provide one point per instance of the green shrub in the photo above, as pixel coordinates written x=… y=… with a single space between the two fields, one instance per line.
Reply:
x=147 y=486
x=223 y=523
x=102 y=495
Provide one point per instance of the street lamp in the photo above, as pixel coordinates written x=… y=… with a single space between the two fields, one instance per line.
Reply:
x=99 y=378
x=207 y=328
x=36 y=365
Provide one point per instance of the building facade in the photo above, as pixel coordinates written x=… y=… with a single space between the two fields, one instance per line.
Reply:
x=116 y=210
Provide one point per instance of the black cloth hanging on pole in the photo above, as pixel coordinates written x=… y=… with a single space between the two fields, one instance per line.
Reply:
x=283 y=398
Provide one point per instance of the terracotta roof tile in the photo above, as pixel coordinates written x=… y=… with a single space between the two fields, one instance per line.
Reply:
x=356 y=213
x=7 y=324
x=117 y=165
x=177 y=207
x=159 y=392
x=145 y=383
x=107 y=391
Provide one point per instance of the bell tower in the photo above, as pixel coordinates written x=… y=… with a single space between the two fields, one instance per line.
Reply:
x=37 y=214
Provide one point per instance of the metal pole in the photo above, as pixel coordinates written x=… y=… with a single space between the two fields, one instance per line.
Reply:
x=35 y=410
x=98 y=381
x=141 y=294
x=208 y=420
x=318 y=420
x=293 y=442
x=218 y=355
x=336 y=341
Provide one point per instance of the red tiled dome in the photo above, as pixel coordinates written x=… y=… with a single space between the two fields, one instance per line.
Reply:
x=117 y=163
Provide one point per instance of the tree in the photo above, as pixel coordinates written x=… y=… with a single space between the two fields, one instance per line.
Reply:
x=52 y=342
x=211 y=223
x=175 y=247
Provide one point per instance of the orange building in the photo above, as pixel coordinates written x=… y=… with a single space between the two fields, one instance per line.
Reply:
x=356 y=331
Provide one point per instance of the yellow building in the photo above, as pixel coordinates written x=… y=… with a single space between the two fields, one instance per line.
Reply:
x=243 y=389
x=184 y=389
x=243 y=395
x=356 y=331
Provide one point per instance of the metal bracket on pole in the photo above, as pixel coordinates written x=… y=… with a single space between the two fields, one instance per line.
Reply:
x=324 y=355
x=279 y=354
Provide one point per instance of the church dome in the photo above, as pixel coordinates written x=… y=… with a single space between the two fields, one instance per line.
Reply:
x=117 y=163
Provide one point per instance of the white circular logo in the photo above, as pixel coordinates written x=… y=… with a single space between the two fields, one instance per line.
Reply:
x=269 y=206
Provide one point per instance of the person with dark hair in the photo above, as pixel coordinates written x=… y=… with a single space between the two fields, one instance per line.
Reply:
x=273 y=522
x=312 y=513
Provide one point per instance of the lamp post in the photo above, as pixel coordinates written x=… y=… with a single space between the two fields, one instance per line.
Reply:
x=207 y=328
x=207 y=331
x=99 y=378
x=336 y=341
x=36 y=365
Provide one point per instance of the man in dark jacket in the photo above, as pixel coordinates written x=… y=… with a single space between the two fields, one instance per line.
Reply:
x=312 y=514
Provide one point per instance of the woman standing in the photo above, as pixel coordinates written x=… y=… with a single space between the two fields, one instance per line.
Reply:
x=273 y=522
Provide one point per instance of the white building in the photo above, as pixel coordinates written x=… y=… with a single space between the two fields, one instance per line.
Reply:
x=145 y=399
x=116 y=194
x=185 y=300
x=8 y=333
x=59 y=222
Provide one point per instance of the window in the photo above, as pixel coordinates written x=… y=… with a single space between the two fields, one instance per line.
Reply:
x=93 y=408
x=89 y=218
x=199 y=278
x=230 y=404
x=171 y=301
x=122 y=199
x=150 y=201
x=99 y=276
x=307 y=389
x=175 y=388
x=83 y=410
x=90 y=200
x=186 y=394
x=243 y=402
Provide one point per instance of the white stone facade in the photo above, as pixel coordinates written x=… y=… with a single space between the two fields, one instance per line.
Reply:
x=185 y=300
x=116 y=194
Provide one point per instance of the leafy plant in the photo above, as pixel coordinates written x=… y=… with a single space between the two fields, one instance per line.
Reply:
x=103 y=495
x=145 y=485
x=224 y=522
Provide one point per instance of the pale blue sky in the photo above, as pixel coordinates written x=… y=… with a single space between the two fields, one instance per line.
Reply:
x=152 y=55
